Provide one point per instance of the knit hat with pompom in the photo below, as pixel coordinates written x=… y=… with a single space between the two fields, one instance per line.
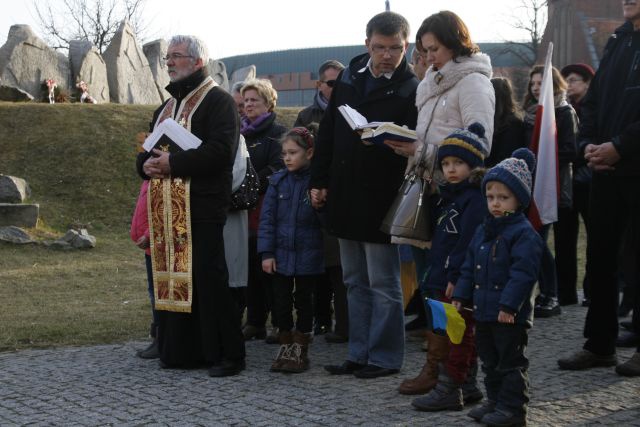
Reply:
x=516 y=173
x=466 y=144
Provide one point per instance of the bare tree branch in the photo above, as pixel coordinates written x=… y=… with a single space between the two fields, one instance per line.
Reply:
x=533 y=26
x=92 y=20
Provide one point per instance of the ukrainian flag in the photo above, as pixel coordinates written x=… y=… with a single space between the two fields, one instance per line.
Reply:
x=446 y=318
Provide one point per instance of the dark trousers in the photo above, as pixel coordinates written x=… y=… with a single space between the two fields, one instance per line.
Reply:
x=501 y=349
x=565 y=233
x=240 y=297
x=547 y=277
x=322 y=301
x=286 y=298
x=211 y=332
x=340 y=305
x=259 y=289
x=154 y=313
x=614 y=201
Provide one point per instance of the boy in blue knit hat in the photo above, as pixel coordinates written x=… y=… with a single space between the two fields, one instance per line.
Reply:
x=449 y=374
x=498 y=275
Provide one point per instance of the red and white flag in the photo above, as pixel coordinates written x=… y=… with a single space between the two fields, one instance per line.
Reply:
x=544 y=144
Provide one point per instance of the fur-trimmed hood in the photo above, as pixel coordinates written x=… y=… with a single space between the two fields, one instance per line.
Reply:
x=437 y=82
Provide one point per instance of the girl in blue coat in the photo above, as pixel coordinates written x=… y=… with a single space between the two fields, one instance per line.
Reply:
x=498 y=275
x=291 y=247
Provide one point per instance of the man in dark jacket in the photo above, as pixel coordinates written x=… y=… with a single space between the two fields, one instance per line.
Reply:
x=610 y=140
x=327 y=74
x=358 y=184
x=190 y=193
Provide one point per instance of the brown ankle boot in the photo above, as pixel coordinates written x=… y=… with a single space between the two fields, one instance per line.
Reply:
x=428 y=376
x=286 y=340
x=297 y=358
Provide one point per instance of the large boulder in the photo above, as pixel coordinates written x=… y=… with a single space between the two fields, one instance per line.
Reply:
x=26 y=62
x=155 y=52
x=18 y=214
x=128 y=71
x=88 y=65
x=13 y=189
x=14 y=94
x=242 y=74
x=219 y=73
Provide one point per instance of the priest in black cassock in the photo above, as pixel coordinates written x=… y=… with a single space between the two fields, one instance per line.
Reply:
x=189 y=194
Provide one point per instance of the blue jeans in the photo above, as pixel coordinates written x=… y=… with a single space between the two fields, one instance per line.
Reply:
x=371 y=274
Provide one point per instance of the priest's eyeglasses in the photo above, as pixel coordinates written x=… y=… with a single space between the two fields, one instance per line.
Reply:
x=175 y=57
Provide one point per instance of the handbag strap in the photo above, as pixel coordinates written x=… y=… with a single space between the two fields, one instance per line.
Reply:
x=423 y=154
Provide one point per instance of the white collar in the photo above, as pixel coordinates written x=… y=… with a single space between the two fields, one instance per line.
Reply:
x=368 y=67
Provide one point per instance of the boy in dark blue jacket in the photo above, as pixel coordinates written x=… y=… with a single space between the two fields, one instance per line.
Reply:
x=459 y=211
x=498 y=275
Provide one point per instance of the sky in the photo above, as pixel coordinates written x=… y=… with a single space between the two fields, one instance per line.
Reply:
x=234 y=27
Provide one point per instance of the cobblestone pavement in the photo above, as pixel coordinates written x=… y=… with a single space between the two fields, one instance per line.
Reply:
x=107 y=385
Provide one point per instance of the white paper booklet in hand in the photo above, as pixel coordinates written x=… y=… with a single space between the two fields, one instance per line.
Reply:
x=170 y=136
x=356 y=120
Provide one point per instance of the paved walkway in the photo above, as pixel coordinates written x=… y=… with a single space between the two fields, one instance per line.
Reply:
x=107 y=385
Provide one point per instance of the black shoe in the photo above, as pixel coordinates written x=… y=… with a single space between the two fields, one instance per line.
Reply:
x=273 y=337
x=628 y=339
x=253 y=332
x=480 y=411
x=335 y=338
x=373 y=371
x=227 y=368
x=586 y=302
x=627 y=324
x=151 y=352
x=568 y=301
x=501 y=417
x=547 y=307
x=584 y=359
x=321 y=329
x=347 y=368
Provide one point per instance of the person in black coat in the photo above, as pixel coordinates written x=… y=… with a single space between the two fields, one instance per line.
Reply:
x=508 y=126
x=262 y=134
x=209 y=333
x=610 y=142
x=358 y=183
x=547 y=304
x=578 y=77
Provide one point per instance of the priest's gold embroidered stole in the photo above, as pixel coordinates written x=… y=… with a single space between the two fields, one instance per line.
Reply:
x=169 y=208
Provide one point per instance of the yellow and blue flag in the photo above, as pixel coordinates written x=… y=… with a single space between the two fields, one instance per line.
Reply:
x=446 y=317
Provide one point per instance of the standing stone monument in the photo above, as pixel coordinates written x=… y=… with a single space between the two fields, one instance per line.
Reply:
x=242 y=74
x=219 y=73
x=26 y=61
x=128 y=71
x=87 y=65
x=155 y=52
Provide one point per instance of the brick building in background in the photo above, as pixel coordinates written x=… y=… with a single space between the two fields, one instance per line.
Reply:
x=579 y=30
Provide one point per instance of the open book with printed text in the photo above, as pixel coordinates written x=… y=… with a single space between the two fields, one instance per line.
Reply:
x=375 y=132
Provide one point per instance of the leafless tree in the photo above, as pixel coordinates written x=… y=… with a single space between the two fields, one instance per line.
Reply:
x=93 y=20
x=529 y=16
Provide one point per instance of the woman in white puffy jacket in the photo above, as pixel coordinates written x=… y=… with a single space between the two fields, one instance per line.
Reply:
x=455 y=92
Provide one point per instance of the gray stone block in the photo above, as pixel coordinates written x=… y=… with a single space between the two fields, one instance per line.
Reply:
x=219 y=73
x=128 y=71
x=155 y=52
x=13 y=189
x=242 y=74
x=88 y=65
x=23 y=215
x=26 y=61
x=13 y=234
x=14 y=94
